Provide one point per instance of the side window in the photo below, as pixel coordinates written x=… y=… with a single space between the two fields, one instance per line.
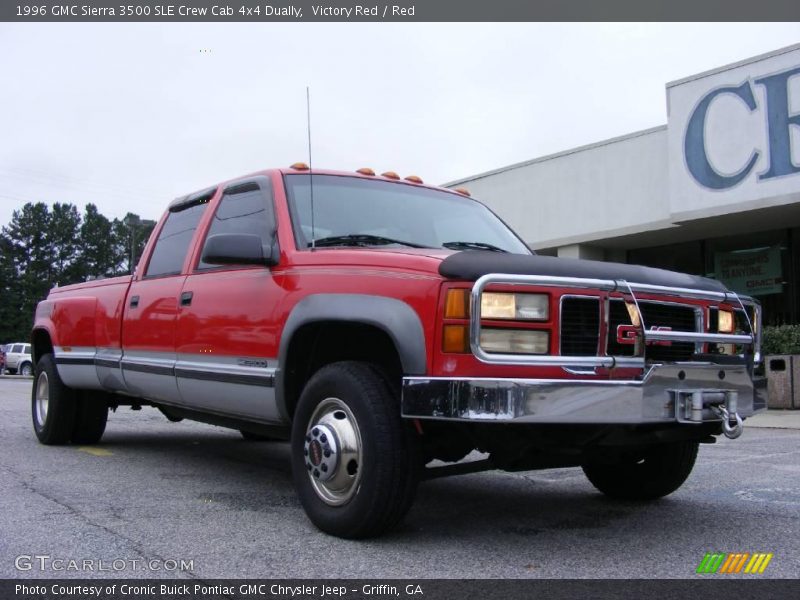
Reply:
x=244 y=208
x=27 y=349
x=17 y=349
x=173 y=241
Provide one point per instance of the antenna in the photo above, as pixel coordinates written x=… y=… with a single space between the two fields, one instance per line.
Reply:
x=310 y=167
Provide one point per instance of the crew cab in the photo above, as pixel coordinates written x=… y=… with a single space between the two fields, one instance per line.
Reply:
x=388 y=329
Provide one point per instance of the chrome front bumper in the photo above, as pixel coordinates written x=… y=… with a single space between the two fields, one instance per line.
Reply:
x=670 y=393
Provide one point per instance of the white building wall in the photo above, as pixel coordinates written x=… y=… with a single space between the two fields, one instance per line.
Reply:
x=611 y=188
x=734 y=133
x=672 y=182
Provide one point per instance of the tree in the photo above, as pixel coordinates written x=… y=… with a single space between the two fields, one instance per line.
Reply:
x=99 y=253
x=42 y=247
x=131 y=235
x=32 y=256
x=10 y=322
x=62 y=238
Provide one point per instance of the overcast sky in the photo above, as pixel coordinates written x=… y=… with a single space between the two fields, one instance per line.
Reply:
x=129 y=116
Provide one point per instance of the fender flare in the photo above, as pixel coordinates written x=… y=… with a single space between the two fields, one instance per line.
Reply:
x=396 y=318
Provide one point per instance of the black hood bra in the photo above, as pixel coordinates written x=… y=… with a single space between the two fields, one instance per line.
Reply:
x=472 y=264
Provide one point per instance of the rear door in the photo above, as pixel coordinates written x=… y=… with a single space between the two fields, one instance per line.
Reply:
x=227 y=335
x=148 y=327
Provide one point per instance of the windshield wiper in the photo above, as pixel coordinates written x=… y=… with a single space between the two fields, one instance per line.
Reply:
x=472 y=246
x=361 y=239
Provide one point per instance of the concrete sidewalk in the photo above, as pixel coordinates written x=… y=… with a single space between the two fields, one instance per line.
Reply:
x=775 y=419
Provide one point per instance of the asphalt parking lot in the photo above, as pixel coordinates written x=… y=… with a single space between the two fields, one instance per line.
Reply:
x=161 y=491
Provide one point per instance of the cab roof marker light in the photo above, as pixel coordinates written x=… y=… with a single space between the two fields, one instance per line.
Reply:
x=463 y=191
x=366 y=171
x=299 y=166
x=390 y=175
x=413 y=179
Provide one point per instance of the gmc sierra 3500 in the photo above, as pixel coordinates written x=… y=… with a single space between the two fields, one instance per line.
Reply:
x=380 y=324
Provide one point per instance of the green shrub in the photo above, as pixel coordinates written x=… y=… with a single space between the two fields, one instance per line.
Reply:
x=782 y=339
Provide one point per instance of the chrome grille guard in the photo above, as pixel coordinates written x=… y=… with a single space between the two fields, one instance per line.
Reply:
x=627 y=289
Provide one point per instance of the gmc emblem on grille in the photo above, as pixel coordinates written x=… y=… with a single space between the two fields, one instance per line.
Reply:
x=626 y=334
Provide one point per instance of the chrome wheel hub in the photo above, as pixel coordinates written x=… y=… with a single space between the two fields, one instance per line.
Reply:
x=42 y=398
x=332 y=452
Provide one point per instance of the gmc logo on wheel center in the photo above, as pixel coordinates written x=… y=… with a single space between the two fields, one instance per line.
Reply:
x=626 y=334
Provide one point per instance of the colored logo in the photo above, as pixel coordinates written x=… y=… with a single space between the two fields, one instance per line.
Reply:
x=626 y=334
x=734 y=562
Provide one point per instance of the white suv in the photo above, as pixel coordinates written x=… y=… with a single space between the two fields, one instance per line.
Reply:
x=18 y=359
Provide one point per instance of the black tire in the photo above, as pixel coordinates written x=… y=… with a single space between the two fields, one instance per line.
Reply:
x=255 y=437
x=382 y=485
x=53 y=417
x=26 y=369
x=652 y=473
x=90 y=418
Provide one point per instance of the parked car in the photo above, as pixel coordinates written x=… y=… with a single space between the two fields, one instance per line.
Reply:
x=387 y=325
x=18 y=359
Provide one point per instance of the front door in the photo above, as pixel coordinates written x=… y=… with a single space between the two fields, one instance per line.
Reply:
x=227 y=332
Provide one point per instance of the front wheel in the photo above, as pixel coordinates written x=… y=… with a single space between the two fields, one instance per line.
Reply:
x=648 y=474
x=353 y=459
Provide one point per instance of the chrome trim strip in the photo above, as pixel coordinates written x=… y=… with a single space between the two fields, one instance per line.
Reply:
x=74 y=360
x=153 y=367
x=690 y=336
x=74 y=352
x=227 y=373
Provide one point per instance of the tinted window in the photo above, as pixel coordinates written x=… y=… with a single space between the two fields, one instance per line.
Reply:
x=17 y=349
x=27 y=349
x=173 y=241
x=243 y=209
x=351 y=206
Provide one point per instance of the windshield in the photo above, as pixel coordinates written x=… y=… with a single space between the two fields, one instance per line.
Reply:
x=350 y=211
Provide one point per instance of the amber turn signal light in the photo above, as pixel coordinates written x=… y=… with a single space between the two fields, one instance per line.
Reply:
x=456 y=305
x=456 y=339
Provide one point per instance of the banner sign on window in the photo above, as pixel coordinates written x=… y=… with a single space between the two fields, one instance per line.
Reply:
x=752 y=272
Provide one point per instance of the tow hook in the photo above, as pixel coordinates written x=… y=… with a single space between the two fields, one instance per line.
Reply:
x=731 y=423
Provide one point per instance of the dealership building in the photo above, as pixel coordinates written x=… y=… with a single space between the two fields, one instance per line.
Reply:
x=715 y=191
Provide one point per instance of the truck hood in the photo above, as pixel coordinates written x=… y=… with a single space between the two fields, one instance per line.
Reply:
x=470 y=265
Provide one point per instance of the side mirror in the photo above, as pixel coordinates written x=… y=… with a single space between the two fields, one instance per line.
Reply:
x=238 y=249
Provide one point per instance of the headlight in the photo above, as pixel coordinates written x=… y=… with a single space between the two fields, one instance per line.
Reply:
x=521 y=307
x=514 y=341
x=725 y=321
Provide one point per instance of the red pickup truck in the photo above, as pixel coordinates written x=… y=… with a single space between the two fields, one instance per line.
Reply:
x=389 y=329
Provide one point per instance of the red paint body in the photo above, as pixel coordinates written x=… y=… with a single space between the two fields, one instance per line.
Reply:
x=241 y=311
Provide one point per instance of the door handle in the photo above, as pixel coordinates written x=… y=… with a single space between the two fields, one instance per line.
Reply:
x=134 y=301
x=186 y=298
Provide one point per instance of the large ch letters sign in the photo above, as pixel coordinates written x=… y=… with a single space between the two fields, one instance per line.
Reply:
x=779 y=123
